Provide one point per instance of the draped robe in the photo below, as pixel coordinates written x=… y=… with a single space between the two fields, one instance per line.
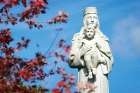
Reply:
x=100 y=80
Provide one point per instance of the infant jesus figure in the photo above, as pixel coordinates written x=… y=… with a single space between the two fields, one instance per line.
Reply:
x=90 y=52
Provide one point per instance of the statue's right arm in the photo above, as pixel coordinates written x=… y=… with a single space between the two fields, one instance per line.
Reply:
x=74 y=56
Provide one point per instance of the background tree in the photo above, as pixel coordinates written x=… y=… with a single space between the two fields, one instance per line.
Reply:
x=16 y=73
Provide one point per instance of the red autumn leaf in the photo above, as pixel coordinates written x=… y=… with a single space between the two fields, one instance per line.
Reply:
x=21 y=73
x=15 y=2
x=61 y=83
x=25 y=14
x=24 y=2
x=38 y=3
x=56 y=90
x=42 y=2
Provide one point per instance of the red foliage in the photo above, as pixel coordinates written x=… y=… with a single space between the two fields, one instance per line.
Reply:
x=56 y=90
x=60 y=18
x=10 y=2
x=38 y=3
x=5 y=36
x=13 y=69
x=32 y=23
x=64 y=46
x=61 y=83
x=64 y=85
x=16 y=87
x=36 y=7
x=26 y=75
x=31 y=69
x=32 y=9
x=24 y=3
x=27 y=72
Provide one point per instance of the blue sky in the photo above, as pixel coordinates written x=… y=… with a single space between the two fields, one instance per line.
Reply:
x=119 y=20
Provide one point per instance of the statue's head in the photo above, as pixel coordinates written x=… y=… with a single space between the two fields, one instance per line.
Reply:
x=89 y=33
x=90 y=17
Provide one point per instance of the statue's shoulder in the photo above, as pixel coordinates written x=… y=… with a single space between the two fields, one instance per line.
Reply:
x=101 y=36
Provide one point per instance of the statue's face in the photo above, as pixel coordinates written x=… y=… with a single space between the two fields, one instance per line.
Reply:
x=89 y=33
x=92 y=20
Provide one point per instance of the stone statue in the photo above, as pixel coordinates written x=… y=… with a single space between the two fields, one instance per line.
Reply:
x=91 y=55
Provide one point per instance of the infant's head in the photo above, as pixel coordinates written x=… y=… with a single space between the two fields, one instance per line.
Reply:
x=89 y=33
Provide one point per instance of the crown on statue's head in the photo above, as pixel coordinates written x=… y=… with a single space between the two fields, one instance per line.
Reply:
x=90 y=10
